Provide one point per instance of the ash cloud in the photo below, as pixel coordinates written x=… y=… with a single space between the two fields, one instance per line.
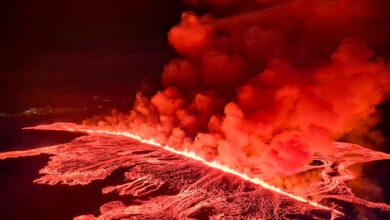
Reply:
x=263 y=90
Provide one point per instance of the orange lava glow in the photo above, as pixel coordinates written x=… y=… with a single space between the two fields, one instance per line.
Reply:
x=217 y=165
x=100 y=152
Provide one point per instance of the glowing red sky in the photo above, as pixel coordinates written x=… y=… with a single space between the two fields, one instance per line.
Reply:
x=262 y=87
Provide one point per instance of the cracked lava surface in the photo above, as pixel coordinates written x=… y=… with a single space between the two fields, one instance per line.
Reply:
x=166 y=184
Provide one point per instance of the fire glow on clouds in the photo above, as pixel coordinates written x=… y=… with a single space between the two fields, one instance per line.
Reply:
x=264 y=90
x=261 y=89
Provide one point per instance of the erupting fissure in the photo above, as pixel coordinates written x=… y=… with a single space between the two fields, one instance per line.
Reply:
x=98 y=154
x=216 y=165
x=267 y=90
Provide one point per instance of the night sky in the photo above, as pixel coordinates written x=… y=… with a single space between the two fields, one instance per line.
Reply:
x=66 y=53
x=62 y=54
x=53 y=52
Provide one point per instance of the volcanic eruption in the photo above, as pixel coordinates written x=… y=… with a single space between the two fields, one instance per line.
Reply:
x=262 y=100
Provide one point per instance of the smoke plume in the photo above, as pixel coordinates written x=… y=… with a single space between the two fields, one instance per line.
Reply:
x=261 y=86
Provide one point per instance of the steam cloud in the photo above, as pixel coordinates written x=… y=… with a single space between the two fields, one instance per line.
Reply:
x=263 y=90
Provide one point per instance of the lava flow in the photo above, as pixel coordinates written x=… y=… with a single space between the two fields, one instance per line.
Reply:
x=162 y=181
x=265 y=97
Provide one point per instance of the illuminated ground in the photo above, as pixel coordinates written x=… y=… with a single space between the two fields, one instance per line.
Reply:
x=162 y=184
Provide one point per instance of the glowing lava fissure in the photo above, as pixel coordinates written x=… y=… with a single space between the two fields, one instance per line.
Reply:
x=160 y=183
x=216 y=165
x=257 y=92
x=330 y=187
x=262 y=91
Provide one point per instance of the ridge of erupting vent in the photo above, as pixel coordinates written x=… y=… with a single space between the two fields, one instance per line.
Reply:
x=171 y=182
x=213 y=164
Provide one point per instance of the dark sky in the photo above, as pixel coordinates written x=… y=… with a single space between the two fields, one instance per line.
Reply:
x=51 y=51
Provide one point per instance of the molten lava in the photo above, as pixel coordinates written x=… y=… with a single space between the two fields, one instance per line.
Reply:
x=151 y=166
x=261 y=94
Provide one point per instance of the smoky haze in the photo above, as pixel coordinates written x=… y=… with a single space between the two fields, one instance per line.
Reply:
x=263 y=90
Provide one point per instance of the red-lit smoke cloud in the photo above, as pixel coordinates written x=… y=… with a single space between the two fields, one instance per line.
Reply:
x=263 y=90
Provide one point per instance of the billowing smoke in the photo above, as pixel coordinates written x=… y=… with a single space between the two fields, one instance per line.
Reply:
x=263 y=85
